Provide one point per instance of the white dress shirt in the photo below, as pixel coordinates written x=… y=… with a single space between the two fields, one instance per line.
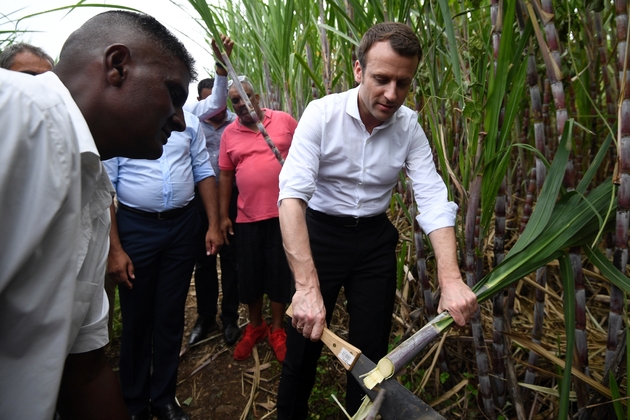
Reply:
x=214 y=103
x=91 y=306
x=40 y=203
x=340 y=169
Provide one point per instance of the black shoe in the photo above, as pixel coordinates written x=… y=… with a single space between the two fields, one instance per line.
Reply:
x=201 y=329
x=231 y=333
x=169 y=412
x=143 y=415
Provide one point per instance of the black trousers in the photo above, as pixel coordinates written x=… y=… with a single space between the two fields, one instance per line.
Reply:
x=163 y=253
x=362 y=259
x=207 y=278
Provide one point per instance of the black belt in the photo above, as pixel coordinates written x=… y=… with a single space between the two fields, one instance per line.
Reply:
x=347 y=221
x=164 y=215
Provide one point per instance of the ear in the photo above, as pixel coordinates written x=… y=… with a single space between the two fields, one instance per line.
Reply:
x=117 y=59
x=358 y=72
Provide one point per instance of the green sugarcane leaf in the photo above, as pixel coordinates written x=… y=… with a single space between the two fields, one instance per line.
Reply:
x=568 y=282
x=607 y=269
x=574 y=221
x=602 y=154
x=202 y=8
x=616 y=396
x=314 y=78
x=548 y=195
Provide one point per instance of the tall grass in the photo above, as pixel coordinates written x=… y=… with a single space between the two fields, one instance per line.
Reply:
x=493 y=93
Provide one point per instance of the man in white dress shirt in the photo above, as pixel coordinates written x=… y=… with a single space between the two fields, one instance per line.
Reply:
x=347 y=152
x=117 y=90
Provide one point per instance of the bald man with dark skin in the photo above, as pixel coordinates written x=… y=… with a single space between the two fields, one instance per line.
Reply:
x=129 y=77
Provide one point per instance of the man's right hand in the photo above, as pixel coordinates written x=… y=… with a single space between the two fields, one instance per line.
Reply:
x=309 y=313
x=120 y=268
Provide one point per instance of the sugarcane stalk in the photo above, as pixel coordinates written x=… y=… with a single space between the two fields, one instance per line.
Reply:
x=537 y=329
x=573 y=221
x=620 y=254
x=471 y=266
x=498 y=353
x=540 y=115
x=423 y=277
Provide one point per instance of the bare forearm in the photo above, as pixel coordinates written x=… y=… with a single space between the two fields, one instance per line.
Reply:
x=456 y=297
x=445 y=248
x=114 y=240
x=296 y=243
x=210 y=198
x=309 y=312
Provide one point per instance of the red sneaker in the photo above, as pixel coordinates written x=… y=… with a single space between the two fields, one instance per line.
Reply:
x=251 y=337
x=278 y=341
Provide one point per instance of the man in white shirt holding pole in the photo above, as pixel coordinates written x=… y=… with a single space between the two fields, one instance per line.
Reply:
x=347 y=152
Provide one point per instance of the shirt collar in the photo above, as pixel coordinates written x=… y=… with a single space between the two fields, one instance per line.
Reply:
x=267 y=120
x=352 y=109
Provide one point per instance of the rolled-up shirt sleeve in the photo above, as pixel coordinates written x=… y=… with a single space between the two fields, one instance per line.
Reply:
x=299 y=173
x=213 y=104
x=434 y=208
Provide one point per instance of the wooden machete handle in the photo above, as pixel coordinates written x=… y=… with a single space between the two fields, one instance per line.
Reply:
x=344 y=351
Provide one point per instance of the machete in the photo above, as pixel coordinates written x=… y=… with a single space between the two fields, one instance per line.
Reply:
x=399 y=403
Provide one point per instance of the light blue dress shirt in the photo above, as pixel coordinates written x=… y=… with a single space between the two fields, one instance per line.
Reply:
x=167 y=183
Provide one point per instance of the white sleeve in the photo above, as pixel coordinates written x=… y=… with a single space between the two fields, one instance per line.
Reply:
x=40 y=196
x=301 y=167
x=214 y=103
x=434 y=209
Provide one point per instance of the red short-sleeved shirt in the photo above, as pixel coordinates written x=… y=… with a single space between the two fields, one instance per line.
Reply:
x=256 y=168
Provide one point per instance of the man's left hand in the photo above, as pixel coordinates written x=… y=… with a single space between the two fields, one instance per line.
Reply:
x=458 y=300
x=228 y=45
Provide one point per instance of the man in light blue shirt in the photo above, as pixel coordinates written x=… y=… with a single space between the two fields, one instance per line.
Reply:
x=154 y=241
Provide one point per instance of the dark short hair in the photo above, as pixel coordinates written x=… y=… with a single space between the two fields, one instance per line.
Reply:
x=7 y=56
x=110 y=24
x=205 y=84
x=401 y=38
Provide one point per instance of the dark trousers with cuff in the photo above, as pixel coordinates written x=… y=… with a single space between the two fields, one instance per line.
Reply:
x=207 y=278
x=362 y=259
x=163 y=254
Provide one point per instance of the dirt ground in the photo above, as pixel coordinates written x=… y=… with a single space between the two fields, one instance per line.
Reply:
x=213 y=386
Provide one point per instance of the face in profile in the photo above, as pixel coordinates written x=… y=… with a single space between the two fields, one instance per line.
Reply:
x=385 y=82
x=150 y=104
x=27 y=62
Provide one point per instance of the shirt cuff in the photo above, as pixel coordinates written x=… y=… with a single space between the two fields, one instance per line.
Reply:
x=438 y=217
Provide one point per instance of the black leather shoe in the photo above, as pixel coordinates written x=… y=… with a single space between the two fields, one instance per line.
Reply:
x=143 y=415
x=169 y=412
x=231 y=333
x=201 y=329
